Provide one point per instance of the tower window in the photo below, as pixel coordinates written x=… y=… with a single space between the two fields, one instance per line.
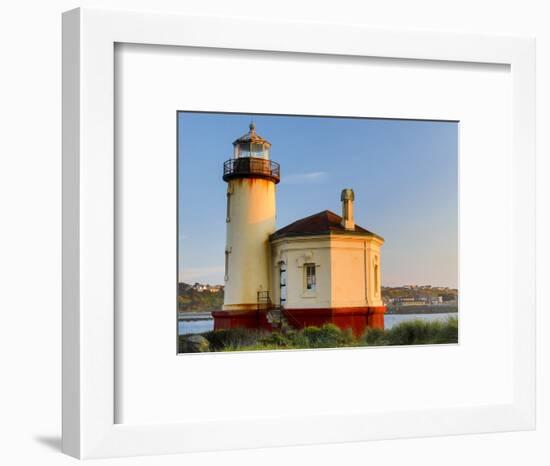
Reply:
x=311 y=279
x=226 y=273
x=228 y=208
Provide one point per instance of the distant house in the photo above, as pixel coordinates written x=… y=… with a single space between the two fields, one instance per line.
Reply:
x=411 y=301
x=199 y=287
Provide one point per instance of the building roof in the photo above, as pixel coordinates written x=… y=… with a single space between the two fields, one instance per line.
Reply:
x=252 y=137
x=322 y=223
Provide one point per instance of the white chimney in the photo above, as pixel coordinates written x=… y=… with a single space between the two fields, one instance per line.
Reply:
x=347 y=199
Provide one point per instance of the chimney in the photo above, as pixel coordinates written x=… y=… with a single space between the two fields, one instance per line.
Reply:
x=347 y=199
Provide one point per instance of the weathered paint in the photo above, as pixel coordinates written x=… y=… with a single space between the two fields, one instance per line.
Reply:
x=250 y=221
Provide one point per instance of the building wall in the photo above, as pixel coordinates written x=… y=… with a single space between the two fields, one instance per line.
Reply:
x=345 y=271
x=250 y=221
x=349 y=273
x=293 y=254
x=373 y=264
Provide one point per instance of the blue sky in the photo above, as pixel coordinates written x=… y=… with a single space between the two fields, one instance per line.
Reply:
x=404 y=174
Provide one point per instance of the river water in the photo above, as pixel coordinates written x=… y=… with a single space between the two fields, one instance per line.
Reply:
x=186 y=327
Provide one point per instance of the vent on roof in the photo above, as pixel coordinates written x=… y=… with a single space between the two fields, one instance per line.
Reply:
x=347 y=197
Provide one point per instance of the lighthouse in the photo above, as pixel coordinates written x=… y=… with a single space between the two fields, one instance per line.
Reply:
x=251 y=179
x=323 y=268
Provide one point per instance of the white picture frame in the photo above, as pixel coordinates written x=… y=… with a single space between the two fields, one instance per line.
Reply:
x=89 y=337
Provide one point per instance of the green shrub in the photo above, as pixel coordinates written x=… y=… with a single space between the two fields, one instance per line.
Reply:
x=232 y=338
x=256 y=347
x=421 y=332
x=297 y=339
x=375 y=337
x=277 y=340
x=414 y=332
x=327 y=336
x=448 y=332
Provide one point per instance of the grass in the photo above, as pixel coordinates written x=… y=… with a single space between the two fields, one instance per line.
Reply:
x=414 y=332
x=233 y=338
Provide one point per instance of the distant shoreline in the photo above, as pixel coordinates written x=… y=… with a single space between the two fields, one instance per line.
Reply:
x=207 y=315
x=194 y=315
x=422 y=310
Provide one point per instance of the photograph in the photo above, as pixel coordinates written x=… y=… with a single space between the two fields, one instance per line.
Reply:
x=304 y=232
x=339 y=258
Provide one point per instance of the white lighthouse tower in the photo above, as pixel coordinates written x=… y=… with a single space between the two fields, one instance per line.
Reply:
x=251 y=178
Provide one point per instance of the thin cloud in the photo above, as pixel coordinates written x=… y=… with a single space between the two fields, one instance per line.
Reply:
x=304 y=178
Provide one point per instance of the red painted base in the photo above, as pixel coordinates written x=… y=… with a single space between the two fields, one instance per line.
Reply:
x=355 y=318
x=244 y=319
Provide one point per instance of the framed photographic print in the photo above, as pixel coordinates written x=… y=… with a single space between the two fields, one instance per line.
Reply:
x=287 y=273
x=292 y=233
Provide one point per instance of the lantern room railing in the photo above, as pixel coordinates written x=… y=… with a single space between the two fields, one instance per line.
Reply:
x=251 y=167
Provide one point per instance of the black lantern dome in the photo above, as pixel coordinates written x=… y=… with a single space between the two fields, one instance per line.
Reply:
x=251 y=158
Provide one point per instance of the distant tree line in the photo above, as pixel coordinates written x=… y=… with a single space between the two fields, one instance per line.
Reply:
x=191 y=300
x=447 y=294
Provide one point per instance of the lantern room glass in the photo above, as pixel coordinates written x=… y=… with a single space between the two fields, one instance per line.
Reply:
x=248 y=149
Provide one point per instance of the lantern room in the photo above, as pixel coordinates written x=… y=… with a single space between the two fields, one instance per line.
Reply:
x=251 y=159
x=251 y=145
